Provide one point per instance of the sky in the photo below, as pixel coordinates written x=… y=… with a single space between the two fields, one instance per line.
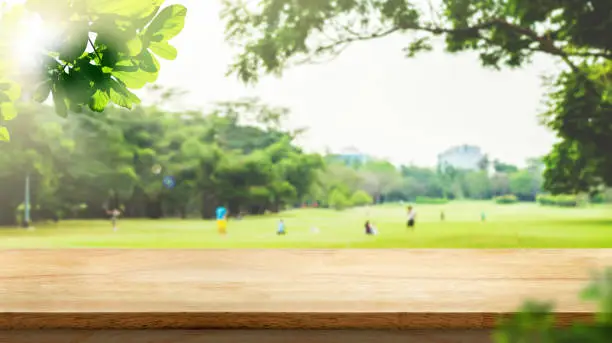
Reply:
x=374 y=99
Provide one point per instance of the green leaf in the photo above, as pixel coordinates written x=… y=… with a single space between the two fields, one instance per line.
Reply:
x=122 y=96
x=99 y=101
x=168 y=23
x=4 y=134
x=77 y=86
x=134 y=46
x=87 y=73
x=142 y=22
x=591 y=292
x=126 y=66
x=133 y=80
x=118 y=40
x=110 y=36
x=132 y=76
x=75 y=44
x=11 y=90
x=41 y=93
x=149 y=63
x=163 y=50
x=7 y=111
x=134 y=9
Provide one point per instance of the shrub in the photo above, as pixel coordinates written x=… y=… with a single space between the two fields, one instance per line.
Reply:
x=506 y=199
x=536 y=321
x=598 y=198
x=561 y=200
x=361 y=198
x=338 y=201
x=431 y=201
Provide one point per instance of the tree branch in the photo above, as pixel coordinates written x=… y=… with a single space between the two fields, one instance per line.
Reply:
x=95 y=50
x=544 y=44
x=357 y=38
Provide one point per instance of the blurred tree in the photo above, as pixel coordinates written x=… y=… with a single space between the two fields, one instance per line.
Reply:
x=280 y=33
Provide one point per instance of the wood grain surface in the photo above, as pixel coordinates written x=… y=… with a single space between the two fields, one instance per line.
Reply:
x=247 y=336
x=288 y=289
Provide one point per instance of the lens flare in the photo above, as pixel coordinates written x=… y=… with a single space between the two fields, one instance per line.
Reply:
x=156 y=169
x=169 y=182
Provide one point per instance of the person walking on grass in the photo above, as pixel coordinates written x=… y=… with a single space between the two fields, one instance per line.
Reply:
x=114 y=216
x=411 y=217
x=281 y=228
x=221 y=214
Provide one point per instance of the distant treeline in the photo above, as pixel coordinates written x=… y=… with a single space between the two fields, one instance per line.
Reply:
x=238 y=154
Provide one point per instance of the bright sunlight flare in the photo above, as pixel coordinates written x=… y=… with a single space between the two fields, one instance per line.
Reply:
x=28 y=36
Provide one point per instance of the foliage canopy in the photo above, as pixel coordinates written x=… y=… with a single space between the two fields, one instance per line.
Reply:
x=535 y=320
x=102 y=50
x=280 y=33
x=238 y=154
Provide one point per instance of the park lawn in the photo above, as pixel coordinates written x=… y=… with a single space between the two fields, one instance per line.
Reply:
x=507 y=226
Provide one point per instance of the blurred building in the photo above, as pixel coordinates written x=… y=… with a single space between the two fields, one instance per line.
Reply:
x=350 y=156
x=464 y=157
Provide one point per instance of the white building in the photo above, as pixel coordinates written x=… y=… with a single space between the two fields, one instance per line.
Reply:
x=465 y=157
x=352 y=156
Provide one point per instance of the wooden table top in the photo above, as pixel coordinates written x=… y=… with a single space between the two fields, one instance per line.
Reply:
x=113 y=288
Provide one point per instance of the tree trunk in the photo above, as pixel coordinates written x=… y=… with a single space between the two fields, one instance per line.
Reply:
x=275 y=207
x=233 y=208
x=137 y=205
x=207 y=208
x=154 y=209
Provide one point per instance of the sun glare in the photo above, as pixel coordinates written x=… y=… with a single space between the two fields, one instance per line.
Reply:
x=28 y=42
x=29 y=38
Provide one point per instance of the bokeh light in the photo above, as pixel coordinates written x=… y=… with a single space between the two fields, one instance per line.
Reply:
x=169 y=182
x=156 y=169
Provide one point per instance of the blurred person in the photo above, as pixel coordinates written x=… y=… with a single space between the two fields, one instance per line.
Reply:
x=221 y=214
x=281 y=228
x=411 y=217
x=115 y=213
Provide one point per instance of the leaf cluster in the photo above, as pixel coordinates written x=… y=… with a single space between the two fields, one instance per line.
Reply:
x=104 y=50
x=535 y=321
x=504 y=33
x=580 y=111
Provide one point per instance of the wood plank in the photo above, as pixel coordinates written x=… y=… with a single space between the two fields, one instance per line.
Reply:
x=289 y=289
x=247 y=336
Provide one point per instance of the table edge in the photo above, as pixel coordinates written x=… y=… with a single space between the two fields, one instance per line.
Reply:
x=264 y=320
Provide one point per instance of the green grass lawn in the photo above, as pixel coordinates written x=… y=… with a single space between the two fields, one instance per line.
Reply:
x=507 y=226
